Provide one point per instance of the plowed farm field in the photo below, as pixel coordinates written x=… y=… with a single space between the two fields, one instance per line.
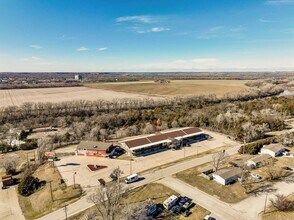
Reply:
x=20 y=96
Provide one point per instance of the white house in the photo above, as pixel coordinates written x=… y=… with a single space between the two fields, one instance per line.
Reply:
x=273 y=149
x=256 y=161
x=227 y=175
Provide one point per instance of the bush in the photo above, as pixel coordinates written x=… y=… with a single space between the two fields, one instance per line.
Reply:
x=254 y=148
x=28 y=185
x=281 y=203
x=29 y=145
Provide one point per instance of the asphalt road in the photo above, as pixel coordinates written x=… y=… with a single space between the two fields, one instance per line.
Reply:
x=219 y=209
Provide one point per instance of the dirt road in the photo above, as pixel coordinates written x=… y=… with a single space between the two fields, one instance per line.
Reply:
x=9 y=206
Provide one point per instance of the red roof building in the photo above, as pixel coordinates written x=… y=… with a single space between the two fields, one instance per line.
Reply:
x=159 y=141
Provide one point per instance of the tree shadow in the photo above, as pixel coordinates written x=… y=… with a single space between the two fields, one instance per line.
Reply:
x=263 y=190
x=69 y=164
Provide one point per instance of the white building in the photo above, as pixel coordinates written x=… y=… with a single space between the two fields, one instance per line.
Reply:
x=256 y=161
x=273 y=149
x=78 y=77
x=227 y=175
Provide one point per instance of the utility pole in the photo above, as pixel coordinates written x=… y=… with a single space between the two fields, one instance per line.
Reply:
x=28 y=160
x=51 y=192
x=74 y=180
x=65 y=210
x=265 y=203
x=131 y=168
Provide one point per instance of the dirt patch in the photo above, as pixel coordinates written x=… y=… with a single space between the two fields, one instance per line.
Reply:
x=93 y=167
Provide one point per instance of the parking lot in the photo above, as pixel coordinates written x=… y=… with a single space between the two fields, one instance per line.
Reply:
x=70 y=165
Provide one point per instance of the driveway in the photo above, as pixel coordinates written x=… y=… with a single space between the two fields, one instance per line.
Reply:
x=9 y=206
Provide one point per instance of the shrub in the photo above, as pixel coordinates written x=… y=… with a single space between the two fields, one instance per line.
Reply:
x=254 y=147
x=29 y=145
x=28 y=185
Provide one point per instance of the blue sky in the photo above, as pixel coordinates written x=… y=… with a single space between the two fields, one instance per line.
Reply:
x=146 y=35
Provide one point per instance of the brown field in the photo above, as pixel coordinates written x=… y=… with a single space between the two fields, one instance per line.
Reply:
x=175 y=87
x=121 y=90
x=20 y=96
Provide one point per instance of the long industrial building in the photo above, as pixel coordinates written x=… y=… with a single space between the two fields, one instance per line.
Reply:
x=162 y=140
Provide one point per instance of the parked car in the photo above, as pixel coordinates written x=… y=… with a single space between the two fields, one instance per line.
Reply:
x=188 y=205
x=176 y=209
x=132 y=178
x=154 y=210
x=184 y=199
x=5 y=187
x=208 y=217
x=187 y=213
x=255 y=176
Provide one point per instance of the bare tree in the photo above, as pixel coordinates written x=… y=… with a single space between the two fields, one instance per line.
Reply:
x=108 y=200
x=44 y=145
x=247 y=182
x=218 y=159
x=116 y=174
x=9 y=165
x=271 y=170
x=281 y=203
x=136 y=211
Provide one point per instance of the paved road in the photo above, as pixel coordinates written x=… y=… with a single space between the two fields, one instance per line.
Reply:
x=9 y=206
x=83 y=204
x=219 y=209
x=253 y=211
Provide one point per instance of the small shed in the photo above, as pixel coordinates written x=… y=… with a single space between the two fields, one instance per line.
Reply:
x=7 y=180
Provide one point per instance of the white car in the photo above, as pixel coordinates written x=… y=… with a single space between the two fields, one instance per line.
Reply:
x=208 y=217
x=255 y=176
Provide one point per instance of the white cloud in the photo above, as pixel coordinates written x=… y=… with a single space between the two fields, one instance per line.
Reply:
x=33 y=58
x=143 y=30
x=279 y=2
x=138 y=19
x=102 y=49
x=215 y=29
x=36 y=58
x=182 y=64
x=159 y=29
x=221 y=32
x=265 y=20
x=82 y=49
x=36 y=46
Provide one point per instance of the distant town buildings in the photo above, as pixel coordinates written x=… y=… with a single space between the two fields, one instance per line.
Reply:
x=78 y=77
